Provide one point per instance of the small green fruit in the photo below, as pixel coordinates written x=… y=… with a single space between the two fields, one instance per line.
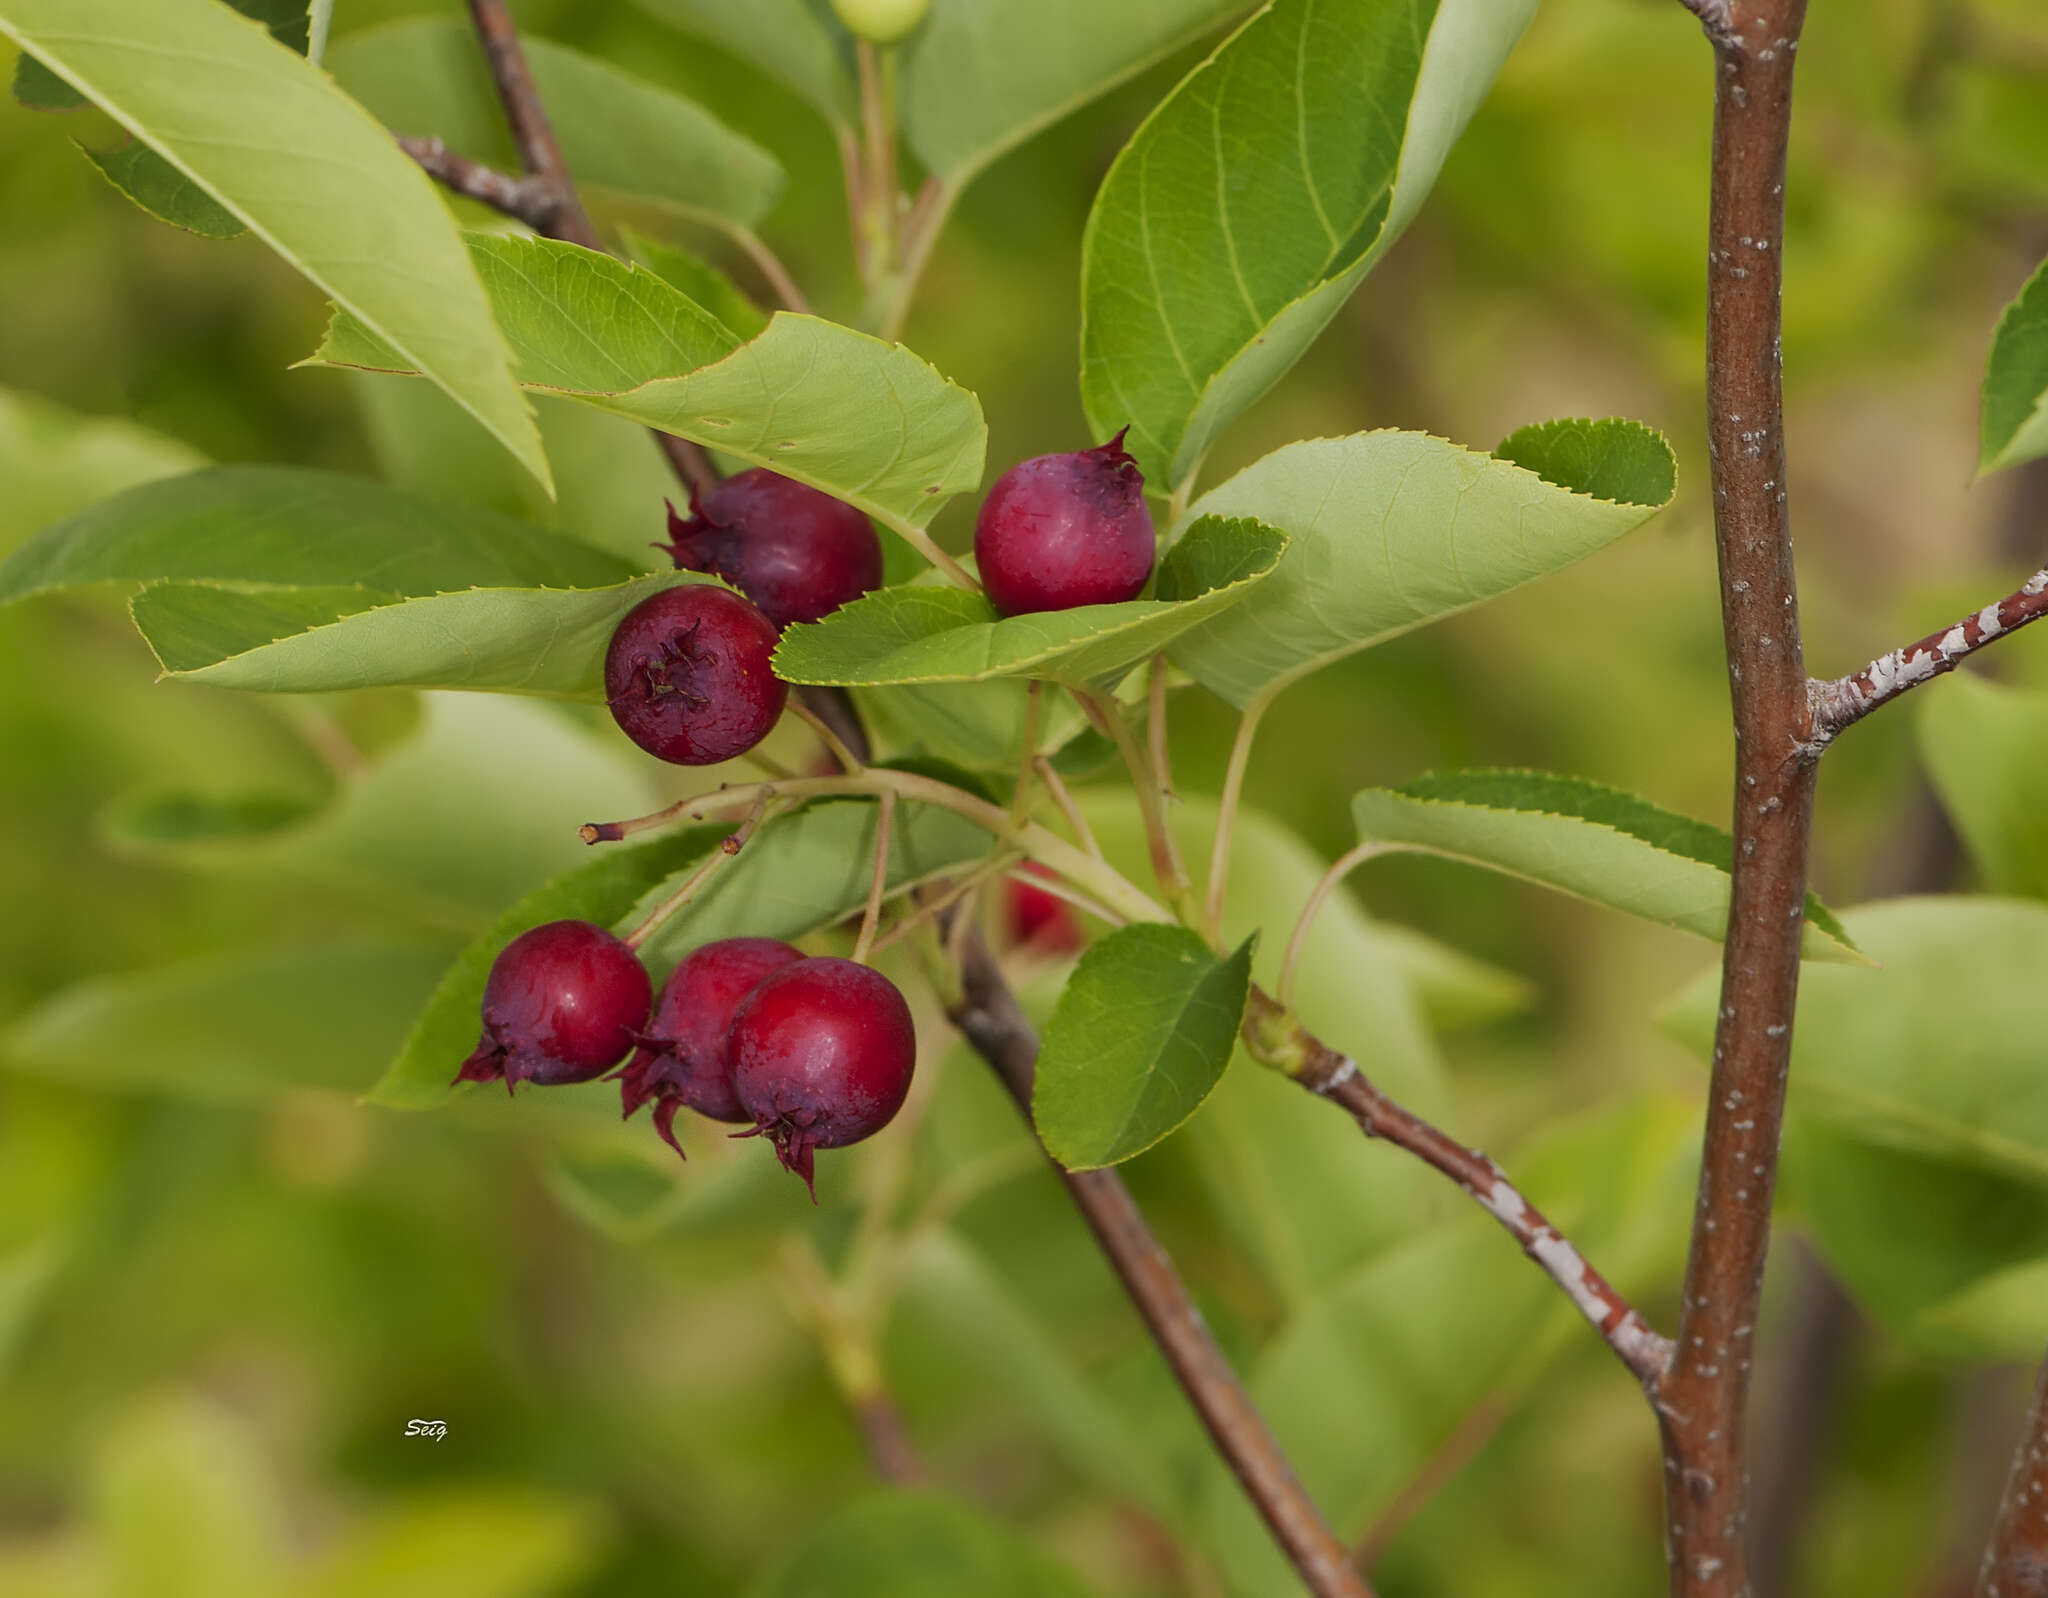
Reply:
x=881 y=21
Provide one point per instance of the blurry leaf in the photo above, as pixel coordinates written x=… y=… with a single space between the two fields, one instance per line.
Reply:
x=487 y=1542
x=177 y=824
x=623 y=1189
x=187 y=1506
x=2015 y=421
x=931 y=634
x=163 y=191
x=1984 y=747
x=545 y=641
x=799 y=873
x=232 y=1028
x=324 y=186
x=867 y=422
x=26 y=1273
x=2003 y=1316
x=700 y=281
x=1243 y=213
x=914 y=1545
x=40 y=89
x=1139 y=1038
x=1593 y=842
x=1391 y=530
x=1938 y=1053
x=979 y=77
x=426 y=76
x=951 y=1297
x=292 y=527
x=55 y=461
x=1908 y=1233
x=796 y=42
x=1457 y=991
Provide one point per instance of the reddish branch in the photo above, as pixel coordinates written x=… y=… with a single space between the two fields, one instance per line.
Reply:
x=1275 y=1037
x=1847 y=700
x=1701 y=1399
x=2016 y=1563
x=988 y=1015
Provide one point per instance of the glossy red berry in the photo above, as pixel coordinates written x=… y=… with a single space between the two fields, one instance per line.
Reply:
x=821 y=1055
x=682 y=1058
x=1039 y=917
x=1064 y=530
x=563 y=1002
x=690 y=677
x=796 y=552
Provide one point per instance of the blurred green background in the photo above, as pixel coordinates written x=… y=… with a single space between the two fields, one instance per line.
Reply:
x=221 y=1303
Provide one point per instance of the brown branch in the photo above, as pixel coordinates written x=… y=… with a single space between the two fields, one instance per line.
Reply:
x=1714 y=16
x=1276 y=1038
x=523 y=199
x=987 y=1013
x=2016 y=1563
x=1845 y=701
x=1702 y=1398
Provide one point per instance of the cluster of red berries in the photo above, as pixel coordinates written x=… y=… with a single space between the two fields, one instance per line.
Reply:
x=816 y=1052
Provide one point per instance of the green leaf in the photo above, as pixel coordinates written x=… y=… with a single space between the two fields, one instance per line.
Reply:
x=40 y=89
x=1621 y=462
x=977 y=724
x=2014 y=426
x=1593 y=842
x=1985 y=749
x=1939 y=1052
x=164 y=192
x=700 y=281
x=1240 y=217
x=542 y=641
x=914 y=1545
x=426 y=76
x=1389 y=531
x=230 y=1029
x=980 y=77
x=865 y=421
x=926 y=634
x=798 y=873
x=55 y=461
x=796 y=42
x=291 y=527
x=324 y=186
x=1998 y=1317
x=1139 y=1038
x=177 y=825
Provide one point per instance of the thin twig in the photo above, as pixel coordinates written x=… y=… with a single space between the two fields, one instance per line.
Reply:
x=1162 y=764
x=988 y=1015
x=728 y=846
x=1340 y=868
x=1276 y=1038
x=849 y=762
x=1067 y=893
x=522 y=199
x=1714 y=17
x=878 y=883
x=2016 y=1562
x=995 y=866
x=1702 y=1399
x=1226 y=814
x=1845 y=701
x=1108 y=718
x=1020 y=797
x=1063 y=796
x=770 y=266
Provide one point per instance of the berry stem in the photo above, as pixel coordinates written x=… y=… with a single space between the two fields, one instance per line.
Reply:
x=1226 y=815
x=849 y=762
x=996 y=865
x=1020 y=800
x=1049 y=775
x=1162 y=765
x=885 y=836
x=1340 y=868
x=921 y=541
x=727 y=848
x=1110 y=721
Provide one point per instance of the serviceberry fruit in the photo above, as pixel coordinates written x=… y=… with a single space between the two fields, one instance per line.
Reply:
x=796 y=552
x=563 y=1002
x=1039 y=917
x=690 y=677
x=682 y=1057
x=1064 y=530
x=821 y=1056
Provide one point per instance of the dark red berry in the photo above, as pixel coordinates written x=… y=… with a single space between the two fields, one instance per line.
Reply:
x=1064 y=530
x=796 y=552
x=682 y=1059
x=821 y=1055
x=562 y=1003
x=1039 y=917
x=689 y=675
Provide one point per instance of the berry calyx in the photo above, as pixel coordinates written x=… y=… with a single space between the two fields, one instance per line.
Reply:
x=796 y=552
x=682 y=1057
x=1064 y=530
x=881 y=21
x=690 y=675
x=562 y=1003
x=821 y=1054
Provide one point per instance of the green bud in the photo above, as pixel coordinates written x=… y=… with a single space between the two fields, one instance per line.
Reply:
x=881 y=21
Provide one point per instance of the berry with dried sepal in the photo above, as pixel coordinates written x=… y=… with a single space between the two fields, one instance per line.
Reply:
x=1059 y=531
x=682 y=1058
x=563 y=1002
x=822 y=1053
x=796 y=552
x=690 y=676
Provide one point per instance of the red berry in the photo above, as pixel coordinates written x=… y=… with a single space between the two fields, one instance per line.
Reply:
x=1064 y=530
x=682 y=1059
x=690 y=677
x=562 y=1003
x=1040 y=917
x=796 y=552
x=821 y=1055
